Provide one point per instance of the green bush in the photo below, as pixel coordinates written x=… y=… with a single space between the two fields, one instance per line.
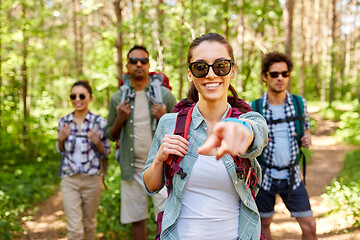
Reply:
x=349 y=127
x=344 y=193
x=21 y=187
x=331 y=113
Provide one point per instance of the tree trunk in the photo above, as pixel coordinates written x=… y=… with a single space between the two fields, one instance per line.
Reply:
x=81 y=43
x=133 y=27
x=159 y=26
x=227 y=18
x=25 y=81
x=303 y=47
x=288 y=19
x=324 y=57
x=182 y=51
x=355 y=46
x=333 y=51
x=119 y=41
x=348 y=43
x=240 y=45
x=316 y=52
x=77 y=34
x=1 y=96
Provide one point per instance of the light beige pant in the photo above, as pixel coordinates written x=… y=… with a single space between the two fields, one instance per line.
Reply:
x=81 y=197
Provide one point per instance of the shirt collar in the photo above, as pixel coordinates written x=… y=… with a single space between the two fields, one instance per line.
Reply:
x=88 y=117
x=197 y=118
x=266 y=103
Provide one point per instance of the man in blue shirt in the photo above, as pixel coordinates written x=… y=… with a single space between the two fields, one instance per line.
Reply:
x=281 y=173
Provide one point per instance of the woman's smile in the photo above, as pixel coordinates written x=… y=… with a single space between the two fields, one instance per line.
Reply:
x=212 y=85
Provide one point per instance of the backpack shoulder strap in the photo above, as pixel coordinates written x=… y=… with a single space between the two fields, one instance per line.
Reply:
x=299 y=113
x=96 y=122
x=155 y=88
x=182 y=125
x=125 y=87
x=300 y=129
x=256 y=105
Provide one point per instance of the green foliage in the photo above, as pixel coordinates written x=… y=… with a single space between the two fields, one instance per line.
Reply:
x=45 y=30
x=22 y=186
x=344 y=193
x=349 y=127
x=331 y=113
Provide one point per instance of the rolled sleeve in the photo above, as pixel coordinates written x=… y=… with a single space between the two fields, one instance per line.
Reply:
x=60 y=123
x=105 y=141
x=114 y=101
x=165 y=126
x=306 y=115
x=261 y=130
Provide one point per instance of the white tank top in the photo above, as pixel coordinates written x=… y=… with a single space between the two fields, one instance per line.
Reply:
x=77 y=155
x=210 y=204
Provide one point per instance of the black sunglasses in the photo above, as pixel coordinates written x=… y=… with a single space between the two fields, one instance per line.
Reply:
x=220 y=67
x=276 y=74
x=81 y=96
x=135 y=60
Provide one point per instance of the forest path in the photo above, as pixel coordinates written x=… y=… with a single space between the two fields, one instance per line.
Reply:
x=49 y=223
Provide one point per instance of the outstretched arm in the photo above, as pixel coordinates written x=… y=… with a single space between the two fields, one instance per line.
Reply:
x=237 y=139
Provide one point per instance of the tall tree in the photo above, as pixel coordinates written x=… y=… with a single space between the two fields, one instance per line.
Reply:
x=303 y=47
x=325 y=37
x=239 y=47
x=334 y=50
x=1 y=60
x=24 y=77
x=159 y=27
x=78 y=37
x=355 y=46
x=288 y=22
x=182 y=49
x=119 y=38
x=348 y=40
x=316 y=52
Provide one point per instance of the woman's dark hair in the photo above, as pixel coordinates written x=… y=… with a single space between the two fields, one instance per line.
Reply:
x=193 y=94
x=210 y=37
x=275 y=57
x=84 y=84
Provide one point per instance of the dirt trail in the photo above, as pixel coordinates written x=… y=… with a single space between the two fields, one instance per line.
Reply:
x=48 y=223
x=328 y=156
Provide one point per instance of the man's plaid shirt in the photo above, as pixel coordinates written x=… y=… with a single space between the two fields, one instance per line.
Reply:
x=294 y=148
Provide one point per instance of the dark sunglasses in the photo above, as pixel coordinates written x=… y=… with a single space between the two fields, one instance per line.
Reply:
x=220 y=67
x=276 y=74
x=81 y=96
x=135 y=60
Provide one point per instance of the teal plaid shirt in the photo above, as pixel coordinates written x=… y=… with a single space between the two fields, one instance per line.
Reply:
x=249 y=219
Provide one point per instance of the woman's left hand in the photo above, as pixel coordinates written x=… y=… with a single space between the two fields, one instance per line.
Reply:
x=229 y=137
x=94 y=136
